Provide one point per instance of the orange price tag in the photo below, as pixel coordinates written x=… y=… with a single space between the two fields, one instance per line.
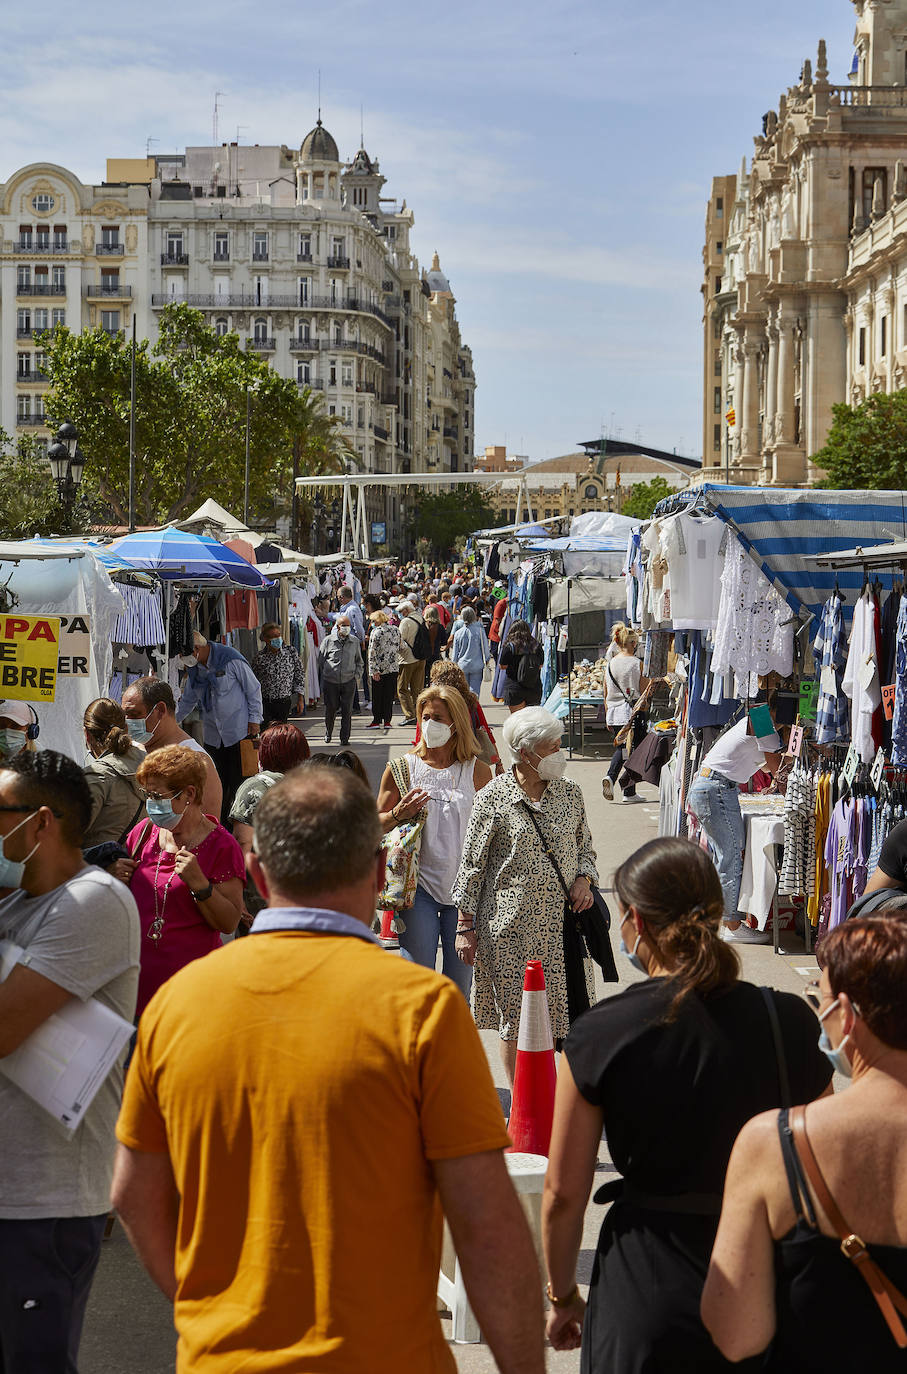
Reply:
x=888 y=701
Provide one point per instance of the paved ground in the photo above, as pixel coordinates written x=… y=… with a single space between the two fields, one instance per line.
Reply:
x=128 y=1328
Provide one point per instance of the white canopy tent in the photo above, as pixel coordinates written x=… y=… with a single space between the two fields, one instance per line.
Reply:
x=353 y=519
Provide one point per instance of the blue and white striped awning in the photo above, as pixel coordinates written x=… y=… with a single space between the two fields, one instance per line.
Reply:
x=784 y=529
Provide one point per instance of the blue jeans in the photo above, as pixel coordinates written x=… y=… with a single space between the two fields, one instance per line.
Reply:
x=474 y=681
x=716 y=805
x=46 y=1268
x=426 y=922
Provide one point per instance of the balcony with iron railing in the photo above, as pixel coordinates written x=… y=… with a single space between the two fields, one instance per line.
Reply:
x=303 y=257
x=314 y=383
x=32 y=375
x=109 y=291
x=253 y=300
x=40 y=288
x=260 y=255
x=221 y=255
x=174 y=259
x=381 y=433
x=337 y=261
x=31 y=421
x=261 y=344
x=304 y=345
x=110 y=250
x=41 y=245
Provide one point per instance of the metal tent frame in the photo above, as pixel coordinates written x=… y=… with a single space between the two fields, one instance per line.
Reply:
x=353 y=517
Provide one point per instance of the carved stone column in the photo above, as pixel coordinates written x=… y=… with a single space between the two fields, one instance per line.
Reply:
x=771 y=386
x=749 y=438
x=784 y=418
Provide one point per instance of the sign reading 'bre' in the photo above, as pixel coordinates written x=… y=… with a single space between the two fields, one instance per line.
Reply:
x=29 y=649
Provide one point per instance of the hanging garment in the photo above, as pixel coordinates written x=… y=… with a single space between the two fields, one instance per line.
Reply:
x=798 y=871
x=141 y=622
x=830 y=650
x=755 y=632
x=692 y=545
x=899 y=723
x=181 y=627
x=822 y=816
x=865 y=693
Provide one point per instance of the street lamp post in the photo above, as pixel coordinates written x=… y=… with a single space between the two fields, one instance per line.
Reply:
x=67 y=463
x=250 y=387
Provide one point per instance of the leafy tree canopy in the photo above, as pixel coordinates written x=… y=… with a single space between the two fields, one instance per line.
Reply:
x=645 y=496
x=191 y=396
x=29 y=503
x=867 y=445
x=444 y=516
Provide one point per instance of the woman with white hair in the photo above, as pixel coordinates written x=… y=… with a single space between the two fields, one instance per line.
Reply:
x=469 y=649
x=509 y=896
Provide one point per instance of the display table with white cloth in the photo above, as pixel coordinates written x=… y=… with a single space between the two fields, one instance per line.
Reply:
x=763 y=818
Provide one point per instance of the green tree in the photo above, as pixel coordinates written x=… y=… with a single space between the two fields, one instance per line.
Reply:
x=29 y=503
x=645 y=496
x=191 y=398
x=445 y=515
x=867 y=444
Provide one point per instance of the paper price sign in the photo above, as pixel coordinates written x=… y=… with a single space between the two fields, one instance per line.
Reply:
x=851 y=764
x=29 y=648
x=878 y=768
x=888 y=701
x=809 y=698
x=795 y=743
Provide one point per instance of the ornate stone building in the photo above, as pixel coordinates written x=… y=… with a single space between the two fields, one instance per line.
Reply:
x=781 y=316
x=296 y=250
x=69 y=254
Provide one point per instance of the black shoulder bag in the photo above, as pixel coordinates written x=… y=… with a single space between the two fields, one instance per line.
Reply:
x=583 y=931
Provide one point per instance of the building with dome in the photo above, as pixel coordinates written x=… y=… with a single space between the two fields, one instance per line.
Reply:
x=805 y=262
x=299 y=252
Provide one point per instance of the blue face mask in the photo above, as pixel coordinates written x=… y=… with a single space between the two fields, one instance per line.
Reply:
x=835 y=1054
x=632 y=956
x=276 y=642
x=138 y=729
x=162 y=813
x=13 y=870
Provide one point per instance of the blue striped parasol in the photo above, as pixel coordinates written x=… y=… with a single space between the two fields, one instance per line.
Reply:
x=180 y=556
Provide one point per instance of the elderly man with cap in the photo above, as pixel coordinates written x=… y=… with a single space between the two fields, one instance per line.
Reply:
x=228 y=694
x=16 y=719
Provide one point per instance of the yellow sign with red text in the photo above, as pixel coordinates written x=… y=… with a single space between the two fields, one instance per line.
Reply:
x=29 y=651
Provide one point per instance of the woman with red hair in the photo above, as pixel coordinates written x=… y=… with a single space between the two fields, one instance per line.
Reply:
x=282 y=747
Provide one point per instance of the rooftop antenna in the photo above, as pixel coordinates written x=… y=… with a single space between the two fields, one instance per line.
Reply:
x=241 y=128
x=148 y=143
x=319 y=95
x=217 y=96
x=361 y=126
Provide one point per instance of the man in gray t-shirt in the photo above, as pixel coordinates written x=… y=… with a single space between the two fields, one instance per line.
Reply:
x=79 y=930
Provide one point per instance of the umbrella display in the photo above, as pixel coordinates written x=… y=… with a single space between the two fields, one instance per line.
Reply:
x=180 y=556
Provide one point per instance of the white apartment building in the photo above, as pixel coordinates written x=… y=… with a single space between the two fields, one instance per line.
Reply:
x=69 y=254
x=297 y=251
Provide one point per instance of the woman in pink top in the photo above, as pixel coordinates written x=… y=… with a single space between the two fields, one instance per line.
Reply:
x=187 y=874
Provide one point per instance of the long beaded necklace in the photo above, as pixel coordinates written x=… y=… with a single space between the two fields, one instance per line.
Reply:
x=156 y=929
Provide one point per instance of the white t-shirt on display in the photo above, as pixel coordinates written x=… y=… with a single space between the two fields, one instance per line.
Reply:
x=691 y=546
x=738 y=755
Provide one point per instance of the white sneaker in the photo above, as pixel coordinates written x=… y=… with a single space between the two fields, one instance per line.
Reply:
x=633 y=797
x=745 y=935
x=607 y=789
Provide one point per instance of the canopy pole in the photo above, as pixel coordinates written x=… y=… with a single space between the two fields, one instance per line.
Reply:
x=346 y=500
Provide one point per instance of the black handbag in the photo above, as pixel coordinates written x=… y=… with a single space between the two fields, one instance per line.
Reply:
x=590 y=926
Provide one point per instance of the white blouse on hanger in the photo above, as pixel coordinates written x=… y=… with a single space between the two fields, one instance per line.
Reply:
x=752 y=637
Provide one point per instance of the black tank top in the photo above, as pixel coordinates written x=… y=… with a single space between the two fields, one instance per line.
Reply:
x=827 y=1316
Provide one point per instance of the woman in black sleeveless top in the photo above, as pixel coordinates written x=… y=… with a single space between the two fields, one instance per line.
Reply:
x=672 y=1068
x=778 y=1281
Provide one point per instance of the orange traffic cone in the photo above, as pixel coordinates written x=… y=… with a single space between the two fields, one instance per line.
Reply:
x=532 y=1100
x=388 y=932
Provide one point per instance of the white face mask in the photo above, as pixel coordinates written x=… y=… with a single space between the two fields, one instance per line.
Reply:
x=435 y=733
x=552 y=766
x=343 y=631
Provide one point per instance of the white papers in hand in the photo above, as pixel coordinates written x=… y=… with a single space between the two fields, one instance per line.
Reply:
x=63 y=1063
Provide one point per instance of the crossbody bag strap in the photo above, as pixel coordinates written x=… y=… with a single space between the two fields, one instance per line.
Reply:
x=628 y=695
x=554 y=863
x=135 y=820
x=780 y=1056
x=142 y=838
x=852 y=1247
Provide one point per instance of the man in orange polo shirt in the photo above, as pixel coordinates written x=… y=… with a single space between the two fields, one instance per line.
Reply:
x=300 y=1108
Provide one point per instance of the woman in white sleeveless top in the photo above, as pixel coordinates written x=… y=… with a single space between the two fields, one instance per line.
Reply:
x=445 y=773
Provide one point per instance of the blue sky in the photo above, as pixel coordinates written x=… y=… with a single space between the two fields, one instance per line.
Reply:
x=557 y=155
